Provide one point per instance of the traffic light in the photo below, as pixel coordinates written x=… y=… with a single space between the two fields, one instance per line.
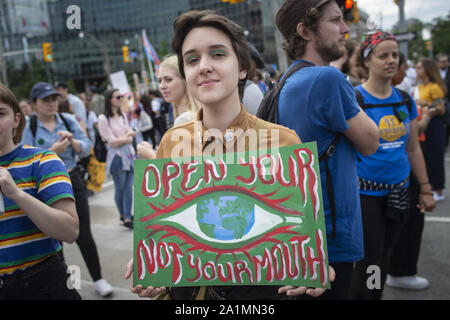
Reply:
x=351 y=12
x=428 y=45
x=126 y=54
x=47 y=51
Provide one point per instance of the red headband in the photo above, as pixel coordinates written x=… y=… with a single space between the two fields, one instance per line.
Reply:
x=373 y=40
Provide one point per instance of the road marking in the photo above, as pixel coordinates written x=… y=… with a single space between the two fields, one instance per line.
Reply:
x=107 y=184
x=437 y=219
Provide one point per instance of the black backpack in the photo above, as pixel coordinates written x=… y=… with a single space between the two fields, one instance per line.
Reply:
x=100 y=150
x=164 y=107
x=268 y=110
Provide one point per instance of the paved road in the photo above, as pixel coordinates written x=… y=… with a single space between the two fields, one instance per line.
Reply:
x=114 y=243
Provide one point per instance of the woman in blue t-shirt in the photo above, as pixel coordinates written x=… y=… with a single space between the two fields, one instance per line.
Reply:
x=384 y=175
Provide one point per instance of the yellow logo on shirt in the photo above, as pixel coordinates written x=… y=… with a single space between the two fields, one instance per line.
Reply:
x=391 y=129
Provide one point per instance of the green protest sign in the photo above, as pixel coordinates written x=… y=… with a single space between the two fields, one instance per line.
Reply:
x=256 y=219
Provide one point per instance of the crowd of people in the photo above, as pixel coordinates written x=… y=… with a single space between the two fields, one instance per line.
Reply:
x=379 y=123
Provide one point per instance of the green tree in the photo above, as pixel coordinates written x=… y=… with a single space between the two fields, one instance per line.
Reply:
x=441 y=35
x=163 y=49
x=21 y=80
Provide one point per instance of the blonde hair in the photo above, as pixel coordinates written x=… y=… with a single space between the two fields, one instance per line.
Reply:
x=171 y=62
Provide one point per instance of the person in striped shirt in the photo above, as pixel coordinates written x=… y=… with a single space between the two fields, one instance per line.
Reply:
x=39 y=212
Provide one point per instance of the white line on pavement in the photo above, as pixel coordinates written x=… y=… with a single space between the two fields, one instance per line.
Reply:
x=437 y=219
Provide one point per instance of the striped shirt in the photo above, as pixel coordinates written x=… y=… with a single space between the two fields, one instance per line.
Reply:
x=41 y=174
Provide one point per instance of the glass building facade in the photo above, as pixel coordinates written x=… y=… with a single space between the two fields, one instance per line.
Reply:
x=95 y=49
x=88 y=54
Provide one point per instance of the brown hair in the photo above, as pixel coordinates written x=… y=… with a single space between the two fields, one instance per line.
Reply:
x=190 y=20
x=108 y=107
x=350 y=47
x=432 y=71
x=8 y=98
x=287 y=20
x=64 y=106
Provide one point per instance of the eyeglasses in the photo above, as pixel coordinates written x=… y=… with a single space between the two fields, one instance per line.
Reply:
x=118 y=97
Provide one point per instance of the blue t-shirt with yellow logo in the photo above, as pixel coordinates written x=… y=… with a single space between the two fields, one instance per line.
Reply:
x=390 y=163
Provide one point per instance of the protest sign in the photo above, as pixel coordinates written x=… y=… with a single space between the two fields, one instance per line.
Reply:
x=256 y=221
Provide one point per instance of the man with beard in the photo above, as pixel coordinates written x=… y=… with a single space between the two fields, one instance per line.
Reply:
x=320 y=105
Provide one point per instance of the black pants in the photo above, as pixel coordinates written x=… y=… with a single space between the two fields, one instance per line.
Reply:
x=380 y=237
x=433 y=151
x=406 y=252
x=49 y=284
x=340 y=287
x=85 y=240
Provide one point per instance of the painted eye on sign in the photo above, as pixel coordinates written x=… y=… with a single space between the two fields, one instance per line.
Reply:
x=256 y=221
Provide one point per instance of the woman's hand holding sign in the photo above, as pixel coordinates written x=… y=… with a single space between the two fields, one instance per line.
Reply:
x=149 y=292
x=152 y=292
x=314 y=292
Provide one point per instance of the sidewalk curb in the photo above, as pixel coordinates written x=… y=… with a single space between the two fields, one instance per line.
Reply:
x=108 y=185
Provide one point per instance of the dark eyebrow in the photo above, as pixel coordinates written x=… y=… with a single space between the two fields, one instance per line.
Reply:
x=214 y=46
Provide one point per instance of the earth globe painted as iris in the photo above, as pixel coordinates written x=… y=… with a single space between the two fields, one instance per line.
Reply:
x=225 y=217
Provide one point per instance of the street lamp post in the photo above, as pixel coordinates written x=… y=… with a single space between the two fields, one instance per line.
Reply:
x=402 y=24
x=102 y=47
x=282 y=63
x=141 y=58
x=3 y=62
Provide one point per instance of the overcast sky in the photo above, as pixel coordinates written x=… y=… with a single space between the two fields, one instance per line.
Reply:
x=386 y=11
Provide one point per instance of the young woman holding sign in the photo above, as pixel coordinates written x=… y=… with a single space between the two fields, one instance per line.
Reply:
x=213 y=58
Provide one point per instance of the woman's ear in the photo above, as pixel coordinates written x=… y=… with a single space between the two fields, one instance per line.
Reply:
x=17 y=117
x=242 y=74
x=303 y=32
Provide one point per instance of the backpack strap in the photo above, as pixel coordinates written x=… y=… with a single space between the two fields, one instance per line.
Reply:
x=268 y=108
x=66 y=123
x=294 y=69
x=290 y=72
x=360 y=99
x=330 y=191
x=33 y=125
x=406 y=100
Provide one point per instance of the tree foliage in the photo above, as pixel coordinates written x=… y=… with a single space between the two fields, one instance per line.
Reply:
x=21 y=80
x=441 y=35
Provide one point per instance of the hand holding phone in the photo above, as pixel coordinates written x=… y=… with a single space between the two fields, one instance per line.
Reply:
x=434 y=104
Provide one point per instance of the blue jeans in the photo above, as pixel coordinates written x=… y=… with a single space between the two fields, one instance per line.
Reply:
x=123 y=184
